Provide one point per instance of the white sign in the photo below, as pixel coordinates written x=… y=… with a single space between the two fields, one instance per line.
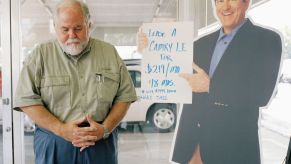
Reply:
x=169 y=53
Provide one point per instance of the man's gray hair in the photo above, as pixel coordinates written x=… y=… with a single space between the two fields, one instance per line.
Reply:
x=68 y=3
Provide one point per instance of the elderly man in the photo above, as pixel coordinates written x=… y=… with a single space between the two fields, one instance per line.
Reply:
x=76 y=89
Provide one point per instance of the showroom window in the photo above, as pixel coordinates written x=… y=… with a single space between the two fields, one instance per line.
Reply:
x=146 y=134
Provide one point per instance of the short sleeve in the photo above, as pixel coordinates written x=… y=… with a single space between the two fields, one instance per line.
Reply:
x=126 y=91
x=28 y=90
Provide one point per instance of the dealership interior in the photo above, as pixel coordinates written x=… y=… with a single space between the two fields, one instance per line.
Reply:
x=26 y=23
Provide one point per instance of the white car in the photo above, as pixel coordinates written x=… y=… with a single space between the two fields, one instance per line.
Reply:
x=162 y=116
x=276 y=116
x=286 y=71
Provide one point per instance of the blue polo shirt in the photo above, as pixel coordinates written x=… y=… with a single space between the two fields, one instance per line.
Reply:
x=221 y=45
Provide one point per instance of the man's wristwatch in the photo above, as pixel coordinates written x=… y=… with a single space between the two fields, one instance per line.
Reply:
x=106 y=132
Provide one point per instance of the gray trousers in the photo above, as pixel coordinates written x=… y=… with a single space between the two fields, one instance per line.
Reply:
x=52 y=149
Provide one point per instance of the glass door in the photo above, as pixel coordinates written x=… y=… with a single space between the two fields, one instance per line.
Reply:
x=35 y=26
x=6 y=152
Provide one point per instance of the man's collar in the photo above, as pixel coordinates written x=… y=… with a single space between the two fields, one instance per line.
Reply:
x=233 y=32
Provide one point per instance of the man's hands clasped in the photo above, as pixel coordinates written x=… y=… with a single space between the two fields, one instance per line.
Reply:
x=82 y=137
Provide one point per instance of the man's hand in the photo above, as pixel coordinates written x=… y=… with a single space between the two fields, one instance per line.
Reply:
x=87 y=136
x=66 y=130
x=141 y=41
x=198 y=81
x=44 y=119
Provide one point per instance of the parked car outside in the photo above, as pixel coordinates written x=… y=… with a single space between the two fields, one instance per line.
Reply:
x=286 y=71
x=276 y=115
x=162 y=116
x=284 y=85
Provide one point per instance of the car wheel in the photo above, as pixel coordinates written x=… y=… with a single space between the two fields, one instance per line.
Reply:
x=163 y=117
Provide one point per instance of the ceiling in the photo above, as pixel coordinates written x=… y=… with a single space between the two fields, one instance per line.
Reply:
x=115 y=21
x=106 y=13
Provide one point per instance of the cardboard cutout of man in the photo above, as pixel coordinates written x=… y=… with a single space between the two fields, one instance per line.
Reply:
x=235 y=73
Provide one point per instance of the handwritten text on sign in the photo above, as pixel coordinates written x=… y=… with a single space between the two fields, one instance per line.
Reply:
x=169 y=53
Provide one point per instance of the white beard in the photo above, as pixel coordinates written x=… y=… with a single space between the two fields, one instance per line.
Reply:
x=74 y=49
